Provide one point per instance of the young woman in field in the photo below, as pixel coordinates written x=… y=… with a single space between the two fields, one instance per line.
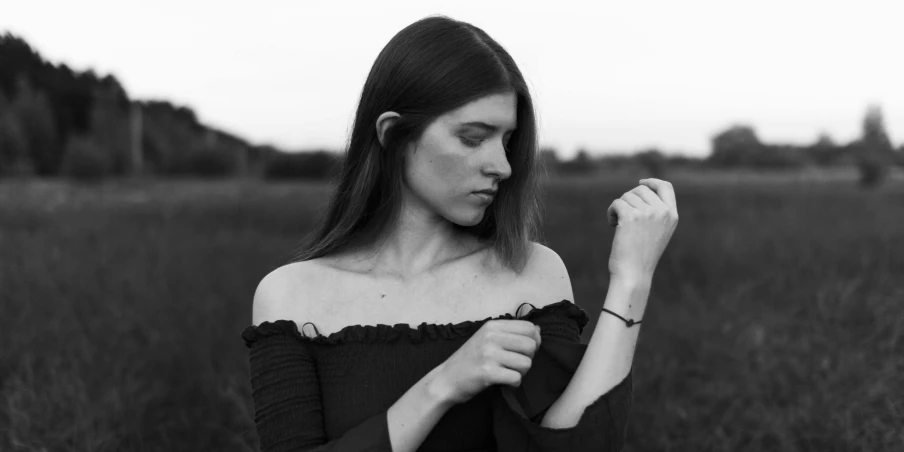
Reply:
x=410 y=241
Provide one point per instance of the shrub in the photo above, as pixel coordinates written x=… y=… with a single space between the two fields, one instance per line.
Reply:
x=84 y=160
x=898 y=157
x=303 y=165
x=209 y=163
x=582 y=163
x=653 y=163
x=39 y=129
x=873 y=170
x=14 y=157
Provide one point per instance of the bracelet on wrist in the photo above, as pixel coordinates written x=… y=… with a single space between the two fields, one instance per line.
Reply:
x=628 y=322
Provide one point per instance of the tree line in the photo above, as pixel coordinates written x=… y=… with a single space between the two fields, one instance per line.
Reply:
x=738 y=146
x=55 y=121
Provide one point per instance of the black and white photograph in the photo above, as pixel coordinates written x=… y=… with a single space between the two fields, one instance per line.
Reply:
x=434 y=226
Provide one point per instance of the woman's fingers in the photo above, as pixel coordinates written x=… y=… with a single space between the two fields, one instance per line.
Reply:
x=649 y=196
x=634 y=200
x=664 y=190
x=651 y=193
x=618 y=209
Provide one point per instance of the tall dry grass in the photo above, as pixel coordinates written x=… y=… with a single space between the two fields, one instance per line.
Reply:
x=776 y=319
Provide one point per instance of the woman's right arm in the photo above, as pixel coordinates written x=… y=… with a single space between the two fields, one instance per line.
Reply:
x=288 y=410
x=415 y=414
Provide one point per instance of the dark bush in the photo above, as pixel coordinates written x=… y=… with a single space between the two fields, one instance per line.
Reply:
x=898 y=157
x=580 y=164
x=653 y=163
x=738 y=146
x=84 y=160
x=303 y=165
x=873 y=170
x=14 y=157
x=209 y=163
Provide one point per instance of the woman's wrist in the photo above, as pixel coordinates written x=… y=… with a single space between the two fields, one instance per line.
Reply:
x=437 y=390
x=628 y=296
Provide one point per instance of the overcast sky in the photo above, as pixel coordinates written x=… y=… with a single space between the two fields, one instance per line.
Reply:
x=621 y=76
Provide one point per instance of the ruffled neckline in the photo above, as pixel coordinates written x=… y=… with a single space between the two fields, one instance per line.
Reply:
x=381 y=333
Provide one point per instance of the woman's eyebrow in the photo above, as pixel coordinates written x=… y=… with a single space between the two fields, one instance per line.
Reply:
x=481 y=125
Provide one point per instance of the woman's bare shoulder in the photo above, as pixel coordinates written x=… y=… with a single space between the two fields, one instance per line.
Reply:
x=545 y=275
x=276 y=296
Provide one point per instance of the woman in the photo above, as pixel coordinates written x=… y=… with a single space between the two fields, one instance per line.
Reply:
x=432 y=224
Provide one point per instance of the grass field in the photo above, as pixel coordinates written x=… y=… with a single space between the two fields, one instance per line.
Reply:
x=776 y=319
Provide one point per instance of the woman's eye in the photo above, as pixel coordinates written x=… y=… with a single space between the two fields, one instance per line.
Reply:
x=470 y=142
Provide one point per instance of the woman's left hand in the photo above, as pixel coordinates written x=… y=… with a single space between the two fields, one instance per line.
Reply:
x=645 y=219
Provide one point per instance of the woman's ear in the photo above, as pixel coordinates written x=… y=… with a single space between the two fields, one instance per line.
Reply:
x=384 y=122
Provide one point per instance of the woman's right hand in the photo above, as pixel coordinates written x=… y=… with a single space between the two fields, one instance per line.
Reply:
x=500 y=352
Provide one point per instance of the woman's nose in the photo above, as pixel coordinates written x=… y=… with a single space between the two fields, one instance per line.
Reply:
x=498 y=164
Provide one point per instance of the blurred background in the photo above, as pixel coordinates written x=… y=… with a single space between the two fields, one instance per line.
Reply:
x=158 y=159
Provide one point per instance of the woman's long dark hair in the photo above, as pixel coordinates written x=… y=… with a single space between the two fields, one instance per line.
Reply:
x=431 y=67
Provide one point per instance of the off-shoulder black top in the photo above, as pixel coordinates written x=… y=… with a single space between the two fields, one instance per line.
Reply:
x=332 y=393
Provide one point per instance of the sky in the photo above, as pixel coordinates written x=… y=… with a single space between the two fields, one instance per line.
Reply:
x=606 y=76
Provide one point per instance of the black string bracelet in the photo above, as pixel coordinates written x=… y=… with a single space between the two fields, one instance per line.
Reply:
x=628 y=322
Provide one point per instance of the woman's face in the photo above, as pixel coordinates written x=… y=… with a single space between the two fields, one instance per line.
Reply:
x=461 y=152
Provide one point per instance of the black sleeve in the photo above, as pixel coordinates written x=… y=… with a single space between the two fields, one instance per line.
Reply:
x=286 y=393
x=517 y=412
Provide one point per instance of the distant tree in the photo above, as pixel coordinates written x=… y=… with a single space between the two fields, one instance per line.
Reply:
x=110 y=125
x=39 y=128
x=873 y=171
x=875 y=138
x=684 y=161
x=319 y=165
x=736 y=146
x=824 y=151
x=874 y=151
x=580 y=164
x=210 y=163
x=615 y=162
x=781 y=156
x=653 y=162
x=14 y=157
x=825 y=145
x=258 y=157
x=84 y=160
x=68 y=92
x=739 y=146
x=824 y=141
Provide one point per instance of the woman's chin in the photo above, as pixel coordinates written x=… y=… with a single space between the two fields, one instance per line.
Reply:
x=468 y=220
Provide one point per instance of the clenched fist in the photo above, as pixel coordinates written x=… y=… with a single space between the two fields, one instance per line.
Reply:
x=500 y=352
x=645 y=219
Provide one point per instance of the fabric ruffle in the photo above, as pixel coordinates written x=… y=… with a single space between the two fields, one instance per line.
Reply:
x=381 y=333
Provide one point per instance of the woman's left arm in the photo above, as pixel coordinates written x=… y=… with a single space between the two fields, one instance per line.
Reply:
x=645 y=219
x=609 y=355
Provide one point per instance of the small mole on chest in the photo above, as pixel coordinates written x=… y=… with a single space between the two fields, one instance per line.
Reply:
x=382 y=295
